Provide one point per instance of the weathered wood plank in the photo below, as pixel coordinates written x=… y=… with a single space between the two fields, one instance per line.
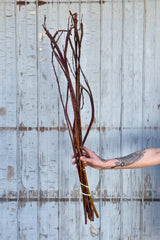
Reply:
x=48 y=91
x=48 y=108
x=69 y=220
x=150 y=180
x=131 y=220
x=26 y=65
x=48 y=164
x=151 y=227
x=111 y=24
x=27 y=163
x=151 y=95
x=131 y=133
x=27 y=220
x=8 y=66
x=27 y=101
x=132 y=69
x=8 y=220
x=48 y=221
x=110 y=221
x=8 y=164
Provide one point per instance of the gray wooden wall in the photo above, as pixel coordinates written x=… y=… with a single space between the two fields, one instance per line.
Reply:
x=40 y=196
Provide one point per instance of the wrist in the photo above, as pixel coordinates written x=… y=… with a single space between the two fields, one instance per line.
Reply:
x=103 y=163
x=108 y=163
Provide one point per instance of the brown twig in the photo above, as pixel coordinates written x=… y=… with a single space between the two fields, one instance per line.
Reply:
x=73 y=73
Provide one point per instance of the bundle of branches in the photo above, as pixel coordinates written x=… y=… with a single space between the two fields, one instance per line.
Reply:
x=74 y=91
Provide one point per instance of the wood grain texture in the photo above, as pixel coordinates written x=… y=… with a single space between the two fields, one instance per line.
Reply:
x=8 y=66
x=40 y=196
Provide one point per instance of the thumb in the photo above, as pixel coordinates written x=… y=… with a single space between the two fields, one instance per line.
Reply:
x=84 y=159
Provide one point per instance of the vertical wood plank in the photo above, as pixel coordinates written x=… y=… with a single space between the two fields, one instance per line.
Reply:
x=131 y=220
x=8 y=220
x=132 y=91
x=48 y=91
x=27 y=120
x=27 y=220
x=110 y=218
x=69 y=210
x=48 y=217
x=27 y=164
x=8 y=66
x=151 y=96
x=111 y=49
x=111 y=92
x=151 y=229
x=48 y=114
x=8 y=165
x=27 y=65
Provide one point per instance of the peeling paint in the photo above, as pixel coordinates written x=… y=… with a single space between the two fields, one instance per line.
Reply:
x=21 y=3
x=97 y=190
x=105 y=193
x=2 y=111
x=42 y=59
x=13 y=209
x=148 y=187
x=51 y=193
x=41 y=36
x=41 y=3
x=103 y=129
x=75 y=193
x=32 y=12
x=21 y=204
x=11 y=172
x=93 y=231
x=33 y=194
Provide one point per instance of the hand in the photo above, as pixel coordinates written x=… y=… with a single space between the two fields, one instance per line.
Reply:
x=91 y=159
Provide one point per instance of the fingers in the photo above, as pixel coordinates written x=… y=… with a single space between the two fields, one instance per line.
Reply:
x=88 y=151
x=85 y=159
x=83 y=153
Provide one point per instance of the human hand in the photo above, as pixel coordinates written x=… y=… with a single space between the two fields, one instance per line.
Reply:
x=91 y=159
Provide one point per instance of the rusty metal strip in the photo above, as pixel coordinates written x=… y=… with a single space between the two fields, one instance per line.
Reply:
x=51 y=199
x=40 y=3
x=21 y=3
x=64 y=128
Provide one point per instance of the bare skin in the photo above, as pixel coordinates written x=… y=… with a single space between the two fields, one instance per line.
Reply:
x=143 y=158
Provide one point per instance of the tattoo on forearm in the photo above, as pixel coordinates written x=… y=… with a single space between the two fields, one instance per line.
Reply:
x=129 y=160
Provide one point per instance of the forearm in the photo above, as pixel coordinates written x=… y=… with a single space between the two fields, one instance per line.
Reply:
x=140 y=159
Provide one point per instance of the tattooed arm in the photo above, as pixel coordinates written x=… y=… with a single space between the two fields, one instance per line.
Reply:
x=142 y=158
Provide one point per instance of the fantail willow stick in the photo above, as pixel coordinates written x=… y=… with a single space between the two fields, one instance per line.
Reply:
x=73 y=73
